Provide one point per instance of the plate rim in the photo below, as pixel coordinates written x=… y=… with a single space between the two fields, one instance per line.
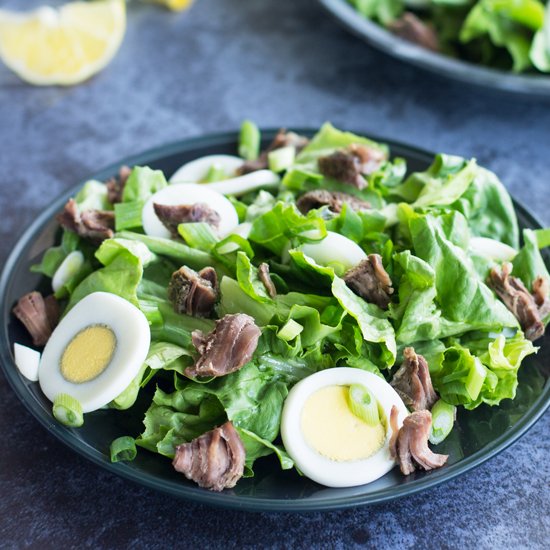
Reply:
x=227 y=500
x=529 y=85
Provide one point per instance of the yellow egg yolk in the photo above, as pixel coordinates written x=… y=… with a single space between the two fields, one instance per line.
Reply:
x=88 y=354
x=334 y=431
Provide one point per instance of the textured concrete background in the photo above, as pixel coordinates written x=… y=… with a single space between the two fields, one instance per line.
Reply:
x=279 y=63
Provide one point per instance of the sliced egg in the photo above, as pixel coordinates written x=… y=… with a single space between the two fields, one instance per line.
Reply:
x=95 y=352
x=188 y=193
x=334 y=250
x=328 y=443
x=69 y=267
x=196 y=170
x=27 y=361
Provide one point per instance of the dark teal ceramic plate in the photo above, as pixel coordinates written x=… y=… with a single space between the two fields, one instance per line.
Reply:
x=380 y=38
x=479 y=435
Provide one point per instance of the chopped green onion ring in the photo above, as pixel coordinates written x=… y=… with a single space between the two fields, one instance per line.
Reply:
x=68 y=411
x=363 y=404
x=123 y=449
x=443 y=418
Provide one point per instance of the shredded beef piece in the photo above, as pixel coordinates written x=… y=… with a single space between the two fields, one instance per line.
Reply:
x=39 y=315
x=265 y=277
x=227 y=348
x=413 y=383
x=115 y=185
x=193 y=293
x=335 y=200
x=412 y=28
x=412 y=444
x=370 y=280
x=348 y=165
x=172 y=216
x=343 y=167
x=215 y=460
x=526 y=307
x=282 y=139
x=94 y=225
x=392 y=444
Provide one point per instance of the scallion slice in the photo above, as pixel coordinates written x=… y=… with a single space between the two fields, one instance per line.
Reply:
x=123 y=449
x=68 y=411
x=290 y=330
x=249 y=141
x=443 y=419
x=281 y=159
x=216 y=172
x=363 y=404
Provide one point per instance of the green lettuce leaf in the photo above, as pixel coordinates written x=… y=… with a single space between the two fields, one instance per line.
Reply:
x=142 y=183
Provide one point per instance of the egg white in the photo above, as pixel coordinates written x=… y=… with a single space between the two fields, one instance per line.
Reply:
x=196 y=170
x=319 y=468
x=333 y=249
x=188 y=193
x=27 y=361
x=133 y=337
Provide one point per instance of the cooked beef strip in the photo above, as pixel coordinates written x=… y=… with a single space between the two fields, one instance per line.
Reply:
x=282 y=139
x=265 y=277
x=94 y=225
x=413 y=383
x=392 y=444
x=115 y=185
x=348 y=165
x=172 y=216
x=333 y=199
x=519 y=300
x=227 y=348
x=343 y=167
x=412 y=444
x=39 y=315
x=370 y=280
x=193 y=293
x=412 y=28
x=215 y=460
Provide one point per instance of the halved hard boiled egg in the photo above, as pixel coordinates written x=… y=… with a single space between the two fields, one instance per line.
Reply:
x=334 y=250
x=197 y=170
x=95 y=352
x=188 y=193
x=327 y=439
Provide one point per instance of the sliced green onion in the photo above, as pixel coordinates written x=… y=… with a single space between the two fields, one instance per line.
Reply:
x=249 y=141
x=363 y=404
x=290 y=330
x=475 y=379
x=216 y=172
x=281 y=159
x=128 y=215
x=123 y=448
x=198 y=235
x=68 y=411
x=443 y=419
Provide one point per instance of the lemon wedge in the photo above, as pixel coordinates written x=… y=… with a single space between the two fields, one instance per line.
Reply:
x=174 y=5
x=62 y=46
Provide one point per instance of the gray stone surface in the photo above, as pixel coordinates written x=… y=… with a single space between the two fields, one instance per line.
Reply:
x=279 y=63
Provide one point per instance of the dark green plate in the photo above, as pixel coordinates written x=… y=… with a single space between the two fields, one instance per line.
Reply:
x=479 y=435
x=378 y=37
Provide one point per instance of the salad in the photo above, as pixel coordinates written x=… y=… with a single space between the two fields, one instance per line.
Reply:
x=311 y=301
x=504 y=34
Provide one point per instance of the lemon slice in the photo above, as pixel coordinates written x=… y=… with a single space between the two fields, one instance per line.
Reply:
x=174 y=5
x=65 y=46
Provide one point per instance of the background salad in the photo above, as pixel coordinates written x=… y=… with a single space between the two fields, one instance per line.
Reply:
x=505 y=34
